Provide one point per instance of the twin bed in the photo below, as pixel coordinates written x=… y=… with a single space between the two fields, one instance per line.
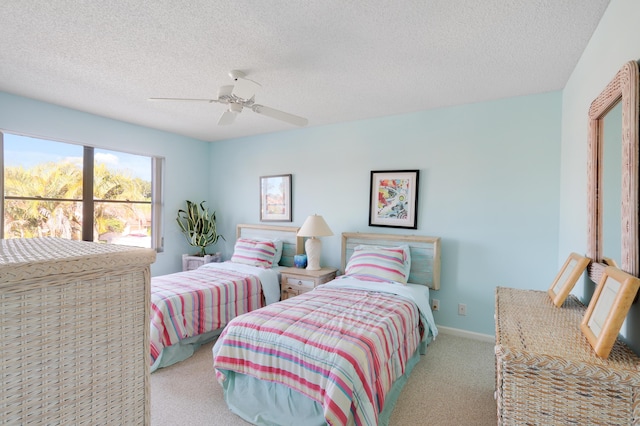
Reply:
x=341 y=353
x=191 y=308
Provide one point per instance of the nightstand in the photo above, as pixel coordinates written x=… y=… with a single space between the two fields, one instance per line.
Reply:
x=190 y=262
x=295 y=281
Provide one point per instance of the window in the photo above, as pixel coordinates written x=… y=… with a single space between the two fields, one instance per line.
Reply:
x=51 y=187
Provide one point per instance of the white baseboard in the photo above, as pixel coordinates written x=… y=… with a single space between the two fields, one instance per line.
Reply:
x=464 y=333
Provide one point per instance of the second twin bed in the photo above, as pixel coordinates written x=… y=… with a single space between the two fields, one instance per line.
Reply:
x=341 y=353
x=190 y=308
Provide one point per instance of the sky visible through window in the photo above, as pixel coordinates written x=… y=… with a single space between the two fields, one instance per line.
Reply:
x=27 y=152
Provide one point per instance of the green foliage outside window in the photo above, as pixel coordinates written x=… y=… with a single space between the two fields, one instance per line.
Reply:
x=52 y=203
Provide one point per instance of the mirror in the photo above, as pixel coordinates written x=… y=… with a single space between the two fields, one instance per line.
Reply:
x=613 y=190
x=611 y=184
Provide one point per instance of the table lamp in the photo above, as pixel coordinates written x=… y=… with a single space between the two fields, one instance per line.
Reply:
x=313 y=227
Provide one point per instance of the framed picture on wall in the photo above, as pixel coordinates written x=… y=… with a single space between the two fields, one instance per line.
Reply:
x=567 y=278
x=394 y=199
x=275 y=198
x=608 y=309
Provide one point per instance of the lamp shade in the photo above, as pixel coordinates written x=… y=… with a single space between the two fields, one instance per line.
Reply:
x=315 y=226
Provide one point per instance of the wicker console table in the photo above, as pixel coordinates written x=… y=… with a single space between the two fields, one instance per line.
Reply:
x=74 y=319
x=547 y=372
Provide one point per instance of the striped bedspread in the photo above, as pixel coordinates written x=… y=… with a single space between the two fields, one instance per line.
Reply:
x=194 y=302
x=341 y=347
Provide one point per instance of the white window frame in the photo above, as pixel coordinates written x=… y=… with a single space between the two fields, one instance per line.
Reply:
x=157 y=193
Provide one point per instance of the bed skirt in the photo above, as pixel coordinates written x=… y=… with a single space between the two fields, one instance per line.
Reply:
x=267 y=403
x=183 y=349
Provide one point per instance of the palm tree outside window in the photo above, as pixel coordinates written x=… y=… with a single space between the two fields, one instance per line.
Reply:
x=50 y=187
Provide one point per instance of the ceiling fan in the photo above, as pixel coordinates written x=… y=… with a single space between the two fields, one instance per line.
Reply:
x=241 y=95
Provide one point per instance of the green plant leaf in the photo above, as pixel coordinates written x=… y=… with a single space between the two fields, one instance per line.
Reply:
x=198 y=225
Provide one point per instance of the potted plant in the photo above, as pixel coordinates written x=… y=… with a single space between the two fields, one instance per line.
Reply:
x=198 y=226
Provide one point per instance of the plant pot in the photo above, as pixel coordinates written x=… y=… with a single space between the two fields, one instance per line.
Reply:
x=192 y=261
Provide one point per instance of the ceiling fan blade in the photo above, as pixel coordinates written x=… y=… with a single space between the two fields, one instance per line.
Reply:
x=182 y=99
x=225 y=91
x=280 y=115
x=227 y=117
x=244 y=88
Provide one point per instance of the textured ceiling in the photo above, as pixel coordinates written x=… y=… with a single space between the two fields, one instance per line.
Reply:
x=327 y=60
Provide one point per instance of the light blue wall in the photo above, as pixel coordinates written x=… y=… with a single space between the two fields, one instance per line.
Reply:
x=615 y=41
x=489 y=186
x=503 y=183
x=187 y=168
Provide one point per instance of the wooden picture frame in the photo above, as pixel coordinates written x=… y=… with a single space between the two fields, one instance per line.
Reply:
x=623 y=88
x=393 y=199
x=608 y=309
x=275 y=198
x=572 y=269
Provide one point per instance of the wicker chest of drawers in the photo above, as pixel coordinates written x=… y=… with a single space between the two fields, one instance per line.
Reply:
x=546 y=371
x=74 y=329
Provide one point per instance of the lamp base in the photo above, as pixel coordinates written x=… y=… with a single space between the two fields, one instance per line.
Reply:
x=313 y=247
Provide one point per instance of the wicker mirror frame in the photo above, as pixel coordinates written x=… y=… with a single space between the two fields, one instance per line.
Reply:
x=623 y=88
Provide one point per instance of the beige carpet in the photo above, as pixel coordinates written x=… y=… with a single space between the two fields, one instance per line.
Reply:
x=453 y=384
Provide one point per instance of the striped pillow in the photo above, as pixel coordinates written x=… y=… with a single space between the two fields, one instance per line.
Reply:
x=380 y=264
x=279 y=244
x=254 y=253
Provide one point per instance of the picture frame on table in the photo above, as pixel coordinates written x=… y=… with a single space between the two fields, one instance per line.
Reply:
x=566 y=279
x=393 y=198
x=275 y=198
x=608 y=309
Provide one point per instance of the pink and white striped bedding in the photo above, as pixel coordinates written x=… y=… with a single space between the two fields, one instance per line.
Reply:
x=341 y=347
x=191 y=303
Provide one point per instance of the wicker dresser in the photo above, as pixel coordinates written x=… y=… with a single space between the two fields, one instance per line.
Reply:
x=547 y=372
x=74 y=332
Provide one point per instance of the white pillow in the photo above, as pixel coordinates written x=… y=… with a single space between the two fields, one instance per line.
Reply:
x=278 y=256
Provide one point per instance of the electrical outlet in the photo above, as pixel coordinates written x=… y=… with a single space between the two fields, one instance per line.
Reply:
x=435 y=304
x=462 y=309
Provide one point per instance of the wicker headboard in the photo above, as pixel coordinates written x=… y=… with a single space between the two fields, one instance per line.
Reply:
x=291 y=243
x=425 y=253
